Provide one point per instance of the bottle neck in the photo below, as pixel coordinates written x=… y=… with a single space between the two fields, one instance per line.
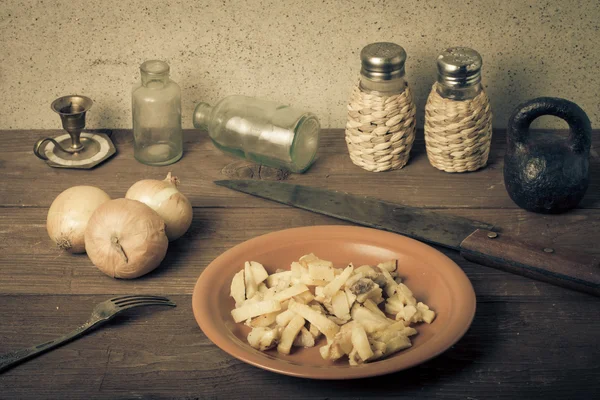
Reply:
x=202 y=115
x=154 y=81
x=396 y=85
x=463 y=93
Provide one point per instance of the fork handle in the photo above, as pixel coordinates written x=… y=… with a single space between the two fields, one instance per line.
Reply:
x=9 y=360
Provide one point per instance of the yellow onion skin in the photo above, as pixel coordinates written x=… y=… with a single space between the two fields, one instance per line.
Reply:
x=164 y=198
x=69 y=214
x=126 y=239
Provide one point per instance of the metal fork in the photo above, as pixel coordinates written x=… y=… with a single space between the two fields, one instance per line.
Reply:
x=102 y=313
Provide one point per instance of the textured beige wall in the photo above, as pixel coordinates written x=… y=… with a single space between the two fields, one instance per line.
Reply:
x=302 y=52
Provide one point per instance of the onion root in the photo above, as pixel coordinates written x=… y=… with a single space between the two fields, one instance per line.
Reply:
x=63 y=243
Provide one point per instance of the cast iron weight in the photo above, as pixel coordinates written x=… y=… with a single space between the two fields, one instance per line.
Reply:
x=544 y=175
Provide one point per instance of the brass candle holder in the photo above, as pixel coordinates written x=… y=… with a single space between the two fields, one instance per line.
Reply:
x=76 y=149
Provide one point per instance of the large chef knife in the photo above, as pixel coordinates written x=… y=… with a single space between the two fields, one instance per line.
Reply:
x=475 y=240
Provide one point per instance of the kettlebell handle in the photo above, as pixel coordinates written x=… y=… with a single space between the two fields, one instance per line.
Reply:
x=580 y=136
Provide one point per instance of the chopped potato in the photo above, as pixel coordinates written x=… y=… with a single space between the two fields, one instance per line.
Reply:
x=259 y=272
x=248 y=311
x=350 y=296
x=344 y=337
x=251 y=285
x=264 y=320
x=356 y=276
x=331 y=351
x=304 y=339
x=390 y=266
x=290 y=292
x=307 y=280
x=360 y=341
x=339 y=281
x=273 y=279
x=284 y=318
x=314 y=331
x=304 y=297
x=352 y=307
x=339 y=303
x=289 y=334
x=371 y=306
x=372 y=322
x=328 y=328
x=367 y=271
x=238 y=288
x=262 y=288
x=263 y=338
x=396 y=344
x=321 y=270
x=308 y=258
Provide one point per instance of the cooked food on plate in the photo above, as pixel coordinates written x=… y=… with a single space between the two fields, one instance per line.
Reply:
x=363 y=313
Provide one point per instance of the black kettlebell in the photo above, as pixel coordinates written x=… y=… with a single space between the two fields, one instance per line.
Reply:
x=547 y=175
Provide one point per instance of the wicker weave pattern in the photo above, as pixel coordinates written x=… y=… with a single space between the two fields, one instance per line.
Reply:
x=380 y=130
x=458 y=133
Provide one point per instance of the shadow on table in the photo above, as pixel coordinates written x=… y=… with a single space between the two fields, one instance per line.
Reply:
x=452 y=365
x=179 y=250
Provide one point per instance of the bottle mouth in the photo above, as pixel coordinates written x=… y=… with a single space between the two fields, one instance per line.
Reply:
x=306 y=142
x=155 y=67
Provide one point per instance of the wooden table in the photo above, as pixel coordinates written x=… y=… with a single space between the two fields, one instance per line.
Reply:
x=529 y=339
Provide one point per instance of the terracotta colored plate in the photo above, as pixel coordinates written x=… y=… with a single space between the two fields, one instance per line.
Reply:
x=433 y=277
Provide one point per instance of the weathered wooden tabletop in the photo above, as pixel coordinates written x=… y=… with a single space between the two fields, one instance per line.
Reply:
x=528 y=339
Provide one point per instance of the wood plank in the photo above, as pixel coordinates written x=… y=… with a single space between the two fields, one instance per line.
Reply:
x=512 y=350
x=32 y=264
x=29 y=182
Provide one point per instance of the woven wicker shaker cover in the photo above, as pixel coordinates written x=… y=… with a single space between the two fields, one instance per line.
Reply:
x=380 y=128
x=458 y=133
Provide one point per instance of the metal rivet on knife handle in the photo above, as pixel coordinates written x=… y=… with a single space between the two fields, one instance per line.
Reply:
x=492 y=235
x=548 y=250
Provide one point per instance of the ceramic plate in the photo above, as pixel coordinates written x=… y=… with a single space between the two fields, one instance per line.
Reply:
x=434 y=278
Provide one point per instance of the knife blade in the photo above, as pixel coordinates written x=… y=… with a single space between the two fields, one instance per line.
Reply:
x=475 y=240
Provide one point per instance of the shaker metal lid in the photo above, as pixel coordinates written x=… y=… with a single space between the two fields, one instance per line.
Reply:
x=382 y=61
x=459 y=67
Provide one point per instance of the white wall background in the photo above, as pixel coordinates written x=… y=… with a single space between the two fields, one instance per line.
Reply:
x=303 y=52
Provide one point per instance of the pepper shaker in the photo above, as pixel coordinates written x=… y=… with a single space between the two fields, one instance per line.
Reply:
x=458 y=117
x=380 y=130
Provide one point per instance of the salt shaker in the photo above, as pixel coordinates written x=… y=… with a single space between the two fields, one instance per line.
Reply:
x=156 y=103
x=458 y=117
x=380 y=130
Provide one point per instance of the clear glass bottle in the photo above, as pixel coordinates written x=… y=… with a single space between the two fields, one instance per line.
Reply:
x=261 y=131
x=156 y=106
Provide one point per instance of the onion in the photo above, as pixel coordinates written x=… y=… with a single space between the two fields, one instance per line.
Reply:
x=126 y=239
x=69 y=214
x=164 y=198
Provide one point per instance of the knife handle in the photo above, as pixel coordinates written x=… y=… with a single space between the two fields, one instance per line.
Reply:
x=559 y=267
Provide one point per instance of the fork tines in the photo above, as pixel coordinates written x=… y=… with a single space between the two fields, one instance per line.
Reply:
x=138 y=300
